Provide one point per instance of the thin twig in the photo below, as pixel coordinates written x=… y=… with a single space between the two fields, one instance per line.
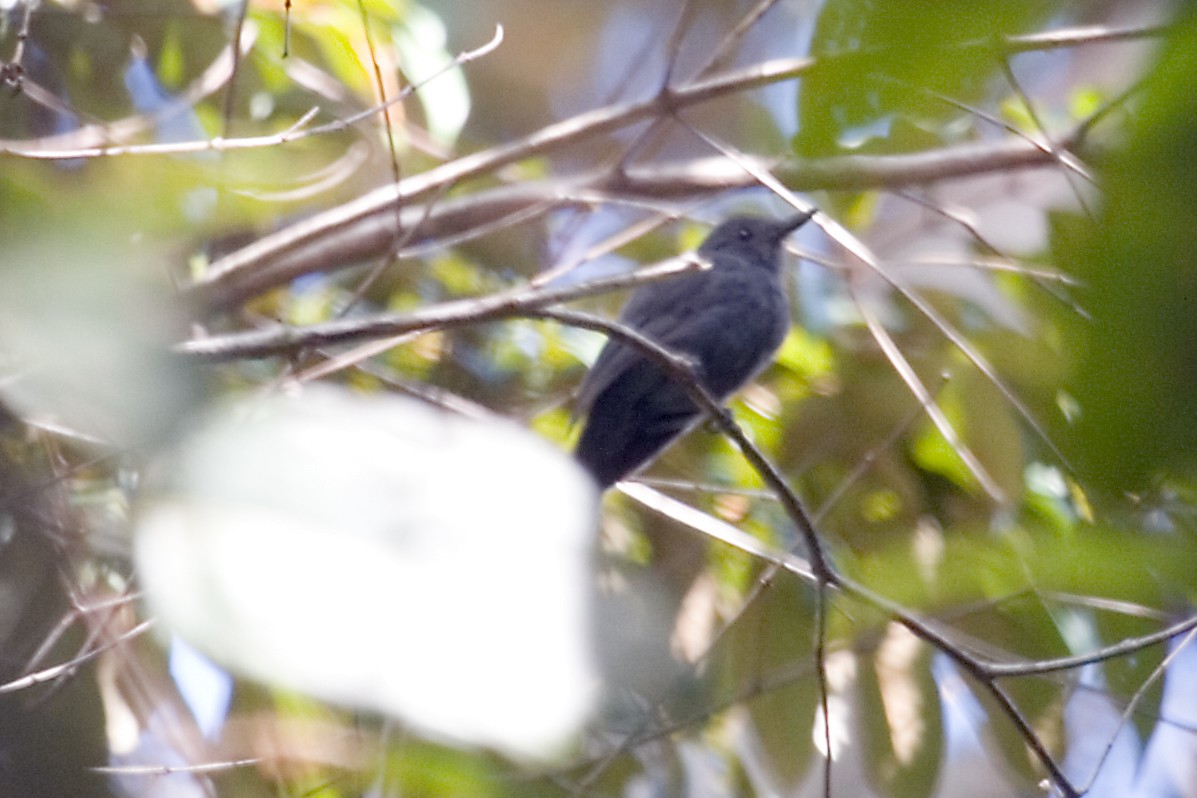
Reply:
x=921 y=393
x=47 y=674
x=167 y=770
x=1157 y=673
x=1130 y=645
x=48 y=148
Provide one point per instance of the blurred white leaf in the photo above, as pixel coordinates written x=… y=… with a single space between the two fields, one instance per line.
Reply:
x=84 y=335
x=377 y=552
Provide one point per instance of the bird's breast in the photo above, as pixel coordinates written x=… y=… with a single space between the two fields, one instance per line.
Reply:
x=741 y=330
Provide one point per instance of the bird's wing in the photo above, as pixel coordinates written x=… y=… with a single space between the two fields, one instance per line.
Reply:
x=664 y=312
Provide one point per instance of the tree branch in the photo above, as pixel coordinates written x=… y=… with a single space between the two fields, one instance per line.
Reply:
x=524 y=300
x=346 y=236
x=366 y=227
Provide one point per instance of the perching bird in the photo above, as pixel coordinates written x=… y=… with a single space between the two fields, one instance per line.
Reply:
x=729 y=320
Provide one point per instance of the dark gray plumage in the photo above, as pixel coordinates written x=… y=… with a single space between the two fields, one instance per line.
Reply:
x=729 y=319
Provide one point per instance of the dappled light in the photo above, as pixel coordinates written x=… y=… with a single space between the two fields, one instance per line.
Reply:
x=374 y=419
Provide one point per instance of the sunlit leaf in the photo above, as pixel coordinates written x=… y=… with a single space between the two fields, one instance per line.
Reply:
x=900 y=726
x=772 y=638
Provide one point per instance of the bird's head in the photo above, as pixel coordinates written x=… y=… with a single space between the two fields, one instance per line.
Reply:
x=754 y=238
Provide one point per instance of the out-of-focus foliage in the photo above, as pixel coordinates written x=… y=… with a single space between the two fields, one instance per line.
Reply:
x=87 y=330
x=1047 y=316
x=885 y=70
x=1139 y=376
x=355 y=499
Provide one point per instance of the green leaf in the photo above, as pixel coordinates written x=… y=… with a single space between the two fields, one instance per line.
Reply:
x=881 y=65
x=1019 y=629
x=772 y=637
x=933 y=452
x=806 y=355
x=1137 y=385
x=900 y=719
x=426 y=769
x=1126 y=675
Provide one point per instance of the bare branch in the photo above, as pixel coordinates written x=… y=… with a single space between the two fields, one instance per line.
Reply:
x=359 y=230
x=1001 y=670
x=381 y=201
x=282 y=340
x=68 y=667
x=679 y=369
x=93 y=139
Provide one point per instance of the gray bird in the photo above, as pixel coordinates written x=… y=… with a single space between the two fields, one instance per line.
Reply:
x=729 y=320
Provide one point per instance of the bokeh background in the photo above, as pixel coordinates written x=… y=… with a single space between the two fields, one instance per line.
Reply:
x=986 y=401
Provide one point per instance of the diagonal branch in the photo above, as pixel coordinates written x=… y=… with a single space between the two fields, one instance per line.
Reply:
x=823 y=572
x=300 y=248
x=681 y=371
x=345 y=236
x=541 y=142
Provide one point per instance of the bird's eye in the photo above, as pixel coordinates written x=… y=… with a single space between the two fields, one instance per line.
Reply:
x=743 y=234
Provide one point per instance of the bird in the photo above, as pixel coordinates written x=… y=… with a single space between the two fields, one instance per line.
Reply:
x=727 y=320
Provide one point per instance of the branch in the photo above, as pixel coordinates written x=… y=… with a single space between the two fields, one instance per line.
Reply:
x=681 y=371
x=347 y=235
x=71 y=665
x=824 y=574
x=382 y=200
x=366 y=227
x=369 y=226
x=99 y=138
x=1130 y=645
x=96 y=141
x=819 y=570
x=522 y=301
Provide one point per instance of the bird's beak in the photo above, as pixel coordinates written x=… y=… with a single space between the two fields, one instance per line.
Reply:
x=799 y=220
